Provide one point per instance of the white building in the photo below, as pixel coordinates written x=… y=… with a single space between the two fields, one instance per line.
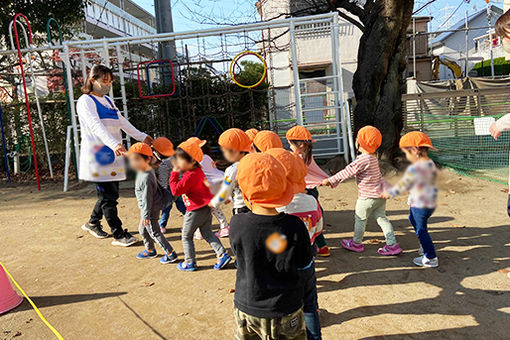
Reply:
x=454 y=45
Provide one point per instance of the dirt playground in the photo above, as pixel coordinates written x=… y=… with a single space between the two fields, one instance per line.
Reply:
x=88 y=289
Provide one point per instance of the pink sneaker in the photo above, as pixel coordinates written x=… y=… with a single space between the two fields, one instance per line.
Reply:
x=163 y=230
x=390 y=250
x=223 y=232
x=352 y=246
x=198 y=235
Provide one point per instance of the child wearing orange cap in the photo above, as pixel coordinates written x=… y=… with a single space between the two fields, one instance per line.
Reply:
x=235 y=144
x=252 y=133
x=273 y=252
x=265 y=140
x=309 y=211
x=420 y=180
x=370 y=187
x=301 y=143
x=164 y=152
x=196 y=194
x=150 y=202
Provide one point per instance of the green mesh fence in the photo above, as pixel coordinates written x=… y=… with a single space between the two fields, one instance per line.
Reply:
x=449 y=120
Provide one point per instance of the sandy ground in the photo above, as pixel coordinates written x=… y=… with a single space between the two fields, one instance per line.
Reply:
x=89 y=289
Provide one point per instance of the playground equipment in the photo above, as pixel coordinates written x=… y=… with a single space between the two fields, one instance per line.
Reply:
x=146 y=65
x=235 y=63
x=4 y=145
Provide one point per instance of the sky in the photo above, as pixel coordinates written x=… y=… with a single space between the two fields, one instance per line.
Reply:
x=199 y=14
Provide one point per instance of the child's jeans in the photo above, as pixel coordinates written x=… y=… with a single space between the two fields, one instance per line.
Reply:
x=311 y=305
x=152 y=233
x=418 y=218
x=199 y=219
x=165 y=214
x=366 y=207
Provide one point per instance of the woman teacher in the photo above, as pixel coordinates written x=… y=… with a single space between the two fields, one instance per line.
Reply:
x=101 y=152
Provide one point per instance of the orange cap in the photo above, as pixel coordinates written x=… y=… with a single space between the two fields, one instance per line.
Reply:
x=263 y=181
x=141 y=148
x=193 y=149
x=369 y=138
x=415 y=139
x=298 y=133
x=294 y=166
x=252 y=133
x=235 y=139
x=200 y=142
x=163 y=146
x=265 y=140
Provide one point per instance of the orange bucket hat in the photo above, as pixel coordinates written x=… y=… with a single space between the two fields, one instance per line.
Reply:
x=141 y=148
x=200 y=142
x=299 y=133
x=163 y=146
x=235 y=139
x=294 y=166
x=265 y=140
x=263 y=181
x=369 y=138
x=415 y=139
x=193 y=149
x=252 y=133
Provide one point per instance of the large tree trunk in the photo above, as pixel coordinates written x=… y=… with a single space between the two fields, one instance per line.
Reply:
x=378 y=82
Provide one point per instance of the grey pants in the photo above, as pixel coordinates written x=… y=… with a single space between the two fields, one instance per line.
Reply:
x=199 y=219
x=152 y=233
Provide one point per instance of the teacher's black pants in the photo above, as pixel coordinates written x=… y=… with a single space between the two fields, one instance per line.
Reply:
x=106 y=205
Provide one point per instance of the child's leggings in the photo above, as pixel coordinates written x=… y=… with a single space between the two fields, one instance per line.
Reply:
x=220 y=217
x=199 y=219
x=366 y=207
x=418 y=218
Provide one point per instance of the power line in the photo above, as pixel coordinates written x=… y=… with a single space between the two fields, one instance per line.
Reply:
x=423 y=7
x=451 y=15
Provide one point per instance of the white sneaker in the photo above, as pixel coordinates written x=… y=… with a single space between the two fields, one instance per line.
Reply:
x=423 y=261
x=421 y=252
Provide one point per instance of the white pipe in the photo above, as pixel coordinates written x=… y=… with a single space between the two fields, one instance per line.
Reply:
x=68 y=156
x=120 y=60
x=67 y=62
x=295 y=72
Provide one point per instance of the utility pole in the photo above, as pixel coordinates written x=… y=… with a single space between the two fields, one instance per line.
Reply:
x=489 y=18
x=164 y=24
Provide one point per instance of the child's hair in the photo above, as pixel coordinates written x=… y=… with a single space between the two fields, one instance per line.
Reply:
x=255 y=148
x=306 y=147
x=502 y=25
x=96 y=72
x=422 y=151
x=206 y=149
x=180 y=153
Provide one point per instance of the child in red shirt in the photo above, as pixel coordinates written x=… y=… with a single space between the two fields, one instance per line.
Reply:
x=196 y=195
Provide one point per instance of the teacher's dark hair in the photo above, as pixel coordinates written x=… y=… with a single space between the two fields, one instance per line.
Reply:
x=96 y=72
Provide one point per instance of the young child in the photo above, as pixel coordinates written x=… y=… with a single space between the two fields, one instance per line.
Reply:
x=308 y=210
x=252 y=133
x=163 y=150
x=370 y=187
x=420 y=179
x=265 y=140
x=150 y=201
x=235 y=144
x=273 y=252
x=215 y=178
x=196 y=195
x=301 y=143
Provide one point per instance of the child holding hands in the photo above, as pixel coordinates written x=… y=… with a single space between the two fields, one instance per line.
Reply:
x=150 y=201
x=370 y=188
x=420 y=179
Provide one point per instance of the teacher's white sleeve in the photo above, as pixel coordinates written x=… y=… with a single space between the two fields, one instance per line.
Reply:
x=129 y=129
x=503 y=123
x=87 y=112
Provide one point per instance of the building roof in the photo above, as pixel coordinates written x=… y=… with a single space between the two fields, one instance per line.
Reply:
x=461 y=23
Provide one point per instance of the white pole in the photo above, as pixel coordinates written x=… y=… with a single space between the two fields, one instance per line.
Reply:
x=120 y=60
x=295 y=72
x=467 y=47
x=414 y=47
x=490 y=38
x=67 y=156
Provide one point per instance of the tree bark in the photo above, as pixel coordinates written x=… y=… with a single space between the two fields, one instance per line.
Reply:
x=377 y=82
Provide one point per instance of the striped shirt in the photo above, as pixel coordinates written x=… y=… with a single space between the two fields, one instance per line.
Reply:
x=368 y=176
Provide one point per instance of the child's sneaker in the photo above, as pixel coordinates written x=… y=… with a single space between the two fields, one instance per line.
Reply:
x=390 y=250
x=169 y=258
x=222 y=261
x=353 y=246
x=95 y=230
x=423 y=261
x=187 y=267
x=163 y=230
x=147 y=254
x=323 y=252
x=198 y=235
x=223 y=232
